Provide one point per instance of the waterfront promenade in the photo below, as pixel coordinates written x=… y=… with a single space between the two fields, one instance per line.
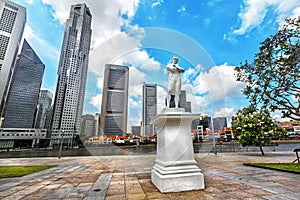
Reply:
x=128 y=177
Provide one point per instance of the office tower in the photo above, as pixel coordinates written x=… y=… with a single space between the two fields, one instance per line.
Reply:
x=12 y=23
x=44 y=106
x=48 y=119
x=204 y=122
x=149 y=107
x=183 y=103
x=88 y=125
x=136 y=130
x=21 y=105
x=219 y=123
x=72 y=72
x=114 y=108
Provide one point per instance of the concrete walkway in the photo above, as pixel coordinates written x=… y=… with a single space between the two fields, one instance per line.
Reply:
x=128 y=177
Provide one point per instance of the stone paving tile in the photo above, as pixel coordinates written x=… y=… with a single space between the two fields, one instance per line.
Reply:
x=116 y=197
x=128 y=177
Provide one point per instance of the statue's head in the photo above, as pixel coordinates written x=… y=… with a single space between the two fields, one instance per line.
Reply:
x=175 y=59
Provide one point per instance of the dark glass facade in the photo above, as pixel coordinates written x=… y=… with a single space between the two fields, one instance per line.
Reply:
x=114 y=107
x=21 y=106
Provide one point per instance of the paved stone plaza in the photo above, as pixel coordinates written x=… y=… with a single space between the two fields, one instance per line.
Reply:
x=128 y=177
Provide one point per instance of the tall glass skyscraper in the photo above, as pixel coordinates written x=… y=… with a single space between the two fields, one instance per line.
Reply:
x=12 y=23
x=72 y=71
x=149 y=107
x=21 y=106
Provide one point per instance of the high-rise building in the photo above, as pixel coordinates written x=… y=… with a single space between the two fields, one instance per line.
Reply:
x=149 y=107
x=220 y=123
x=12 y=23
x=183 y=103
x=44 y=106
x=114 y=108
x=204 y=122
x=136 y=130
x=72 y=72
x=22 y=101
x=88 y=125
x=48 y=118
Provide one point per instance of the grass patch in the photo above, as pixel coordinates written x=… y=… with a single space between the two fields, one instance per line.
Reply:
x=18 y=171
x=285 y=167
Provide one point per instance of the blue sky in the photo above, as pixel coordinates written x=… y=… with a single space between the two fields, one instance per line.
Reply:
x=210 y=37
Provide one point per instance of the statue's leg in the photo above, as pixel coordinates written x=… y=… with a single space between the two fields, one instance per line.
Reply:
x=177 y=91
x=176 y=101
x=168 y=100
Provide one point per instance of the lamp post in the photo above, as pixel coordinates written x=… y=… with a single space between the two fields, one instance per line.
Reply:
x=61 y=141
x=214 y=138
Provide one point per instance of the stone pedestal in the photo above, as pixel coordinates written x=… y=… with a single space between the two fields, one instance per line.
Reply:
x=175 y=167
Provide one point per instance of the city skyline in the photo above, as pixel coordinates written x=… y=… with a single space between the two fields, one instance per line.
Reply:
x=209 y=40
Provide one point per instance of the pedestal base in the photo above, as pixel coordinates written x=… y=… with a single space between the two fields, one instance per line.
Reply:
x=175 y=168
x=177 y=178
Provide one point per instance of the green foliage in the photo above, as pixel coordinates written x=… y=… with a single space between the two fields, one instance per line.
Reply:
x=255 y=127
x=273 y=79
x=17 y=171
x=286 y=167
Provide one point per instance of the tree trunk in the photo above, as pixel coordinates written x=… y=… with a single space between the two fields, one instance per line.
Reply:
x=261 y=150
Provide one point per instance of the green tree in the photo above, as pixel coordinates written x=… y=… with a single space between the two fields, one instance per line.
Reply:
x=255 y=127
x=273 y=79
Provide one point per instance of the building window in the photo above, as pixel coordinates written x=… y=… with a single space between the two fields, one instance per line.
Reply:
x=11 y=6
x=7 y=20
x=3 y=46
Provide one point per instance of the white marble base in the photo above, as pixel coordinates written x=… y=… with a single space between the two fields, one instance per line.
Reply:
x=175 y=167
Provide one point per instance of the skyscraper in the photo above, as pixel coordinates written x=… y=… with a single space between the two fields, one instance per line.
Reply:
x=183 y=103
x=12 y=23
x=21 y=104
x=88 y=125
x=219 y=123
x=114 y=108
x=149 y=107
x=44 y=106
x=72 y=71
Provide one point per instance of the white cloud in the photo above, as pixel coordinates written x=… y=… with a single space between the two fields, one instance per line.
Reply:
x=136 y=79
x=107 y=15
x=134 y=120
x=198 y=103
x=36 y=40
x=224 y=112
x=219 y=82
x=157 y=3
x=277 y=116
x=255 y=11
x=28 y=32
x=134 y=104
x=182 y=9
x=161 y=96
x=29 y=1
x=96 y=101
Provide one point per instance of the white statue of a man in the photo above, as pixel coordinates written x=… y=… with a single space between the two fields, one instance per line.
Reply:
x=174 y=81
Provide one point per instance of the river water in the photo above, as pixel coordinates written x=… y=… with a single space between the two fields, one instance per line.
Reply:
x=107 y=150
